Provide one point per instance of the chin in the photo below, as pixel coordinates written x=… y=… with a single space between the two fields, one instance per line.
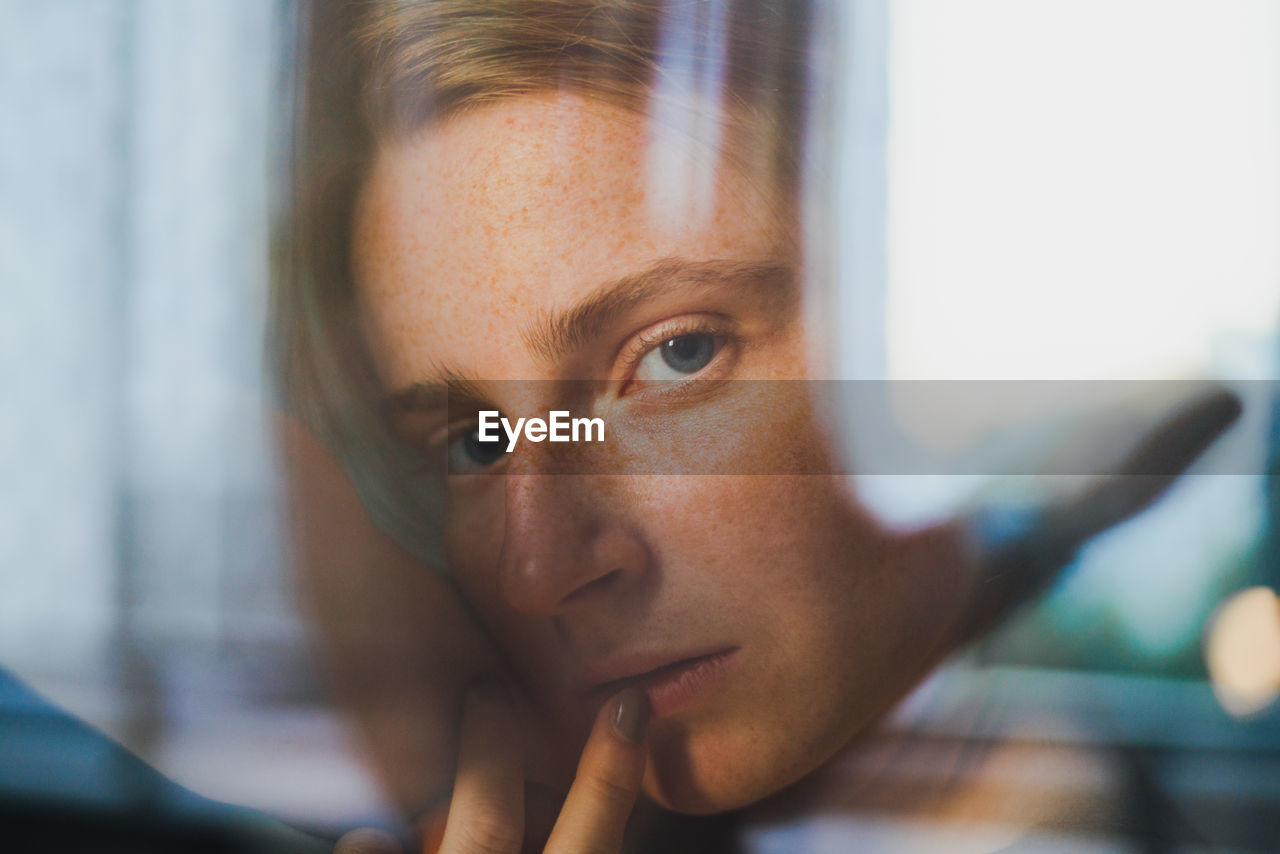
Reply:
x=689 y=796
x=703 y=776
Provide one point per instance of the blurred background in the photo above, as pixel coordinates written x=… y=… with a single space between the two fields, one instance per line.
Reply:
x=1032 y=190
x=142 y=583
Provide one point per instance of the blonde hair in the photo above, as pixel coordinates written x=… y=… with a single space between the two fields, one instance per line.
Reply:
x=382 y=70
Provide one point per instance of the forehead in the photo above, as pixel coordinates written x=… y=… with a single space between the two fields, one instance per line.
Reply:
x=471 y=230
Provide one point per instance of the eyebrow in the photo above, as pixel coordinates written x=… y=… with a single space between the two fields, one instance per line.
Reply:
x=555 y=335
x=449 y=388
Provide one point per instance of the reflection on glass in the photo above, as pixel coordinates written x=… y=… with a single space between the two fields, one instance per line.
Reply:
x=826 y=273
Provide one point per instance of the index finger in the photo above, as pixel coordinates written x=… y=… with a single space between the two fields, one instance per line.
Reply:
x=605 y=788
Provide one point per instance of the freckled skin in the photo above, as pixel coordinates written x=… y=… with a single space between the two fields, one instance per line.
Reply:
x=473 y=231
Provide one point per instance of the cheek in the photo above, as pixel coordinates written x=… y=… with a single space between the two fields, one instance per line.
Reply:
x=776 y=564
x=780 y=556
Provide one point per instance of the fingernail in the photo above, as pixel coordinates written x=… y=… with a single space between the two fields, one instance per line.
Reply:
x=489 y=691
x=631 y=714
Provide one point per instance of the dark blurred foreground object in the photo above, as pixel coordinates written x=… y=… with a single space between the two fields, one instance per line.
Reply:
x=65 y=787
x=1023 y=553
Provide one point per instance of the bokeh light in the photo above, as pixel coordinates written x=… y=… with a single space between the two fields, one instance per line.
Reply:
x=1242 y=651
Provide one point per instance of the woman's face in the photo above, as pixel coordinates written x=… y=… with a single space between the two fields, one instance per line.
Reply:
x=514 y=259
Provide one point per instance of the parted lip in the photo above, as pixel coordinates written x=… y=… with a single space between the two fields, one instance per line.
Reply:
x=607 y=678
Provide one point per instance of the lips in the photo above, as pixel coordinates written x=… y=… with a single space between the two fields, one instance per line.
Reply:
x=672 y=682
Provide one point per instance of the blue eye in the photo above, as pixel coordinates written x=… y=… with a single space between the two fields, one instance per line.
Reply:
x=678 y=357
x=467 y=454
x=688 y=353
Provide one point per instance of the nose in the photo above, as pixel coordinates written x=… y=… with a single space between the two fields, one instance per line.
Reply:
x=567 y=544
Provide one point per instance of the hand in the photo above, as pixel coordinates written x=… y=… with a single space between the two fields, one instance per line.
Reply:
x=486 y=814
x=397 y=644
